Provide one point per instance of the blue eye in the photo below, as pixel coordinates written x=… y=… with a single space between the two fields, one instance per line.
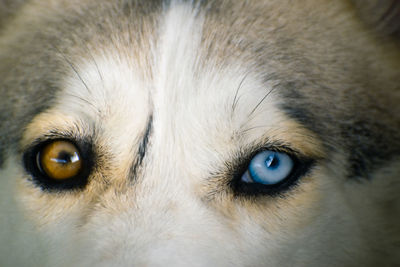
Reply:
x=268 y=168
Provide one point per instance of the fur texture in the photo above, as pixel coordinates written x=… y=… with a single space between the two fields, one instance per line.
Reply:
x=173 y=97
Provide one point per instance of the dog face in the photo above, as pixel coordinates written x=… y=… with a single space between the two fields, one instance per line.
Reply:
x=132 y=134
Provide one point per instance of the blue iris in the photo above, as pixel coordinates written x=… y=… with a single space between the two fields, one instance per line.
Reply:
x=269 y=168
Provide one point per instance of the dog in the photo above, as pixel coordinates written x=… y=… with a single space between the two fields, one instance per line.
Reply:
x=199 y=133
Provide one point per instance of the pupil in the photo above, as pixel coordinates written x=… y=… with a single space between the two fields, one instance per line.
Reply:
x=272 y=162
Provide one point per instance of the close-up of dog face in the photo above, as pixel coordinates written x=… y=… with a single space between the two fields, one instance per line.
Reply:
x=199 y=133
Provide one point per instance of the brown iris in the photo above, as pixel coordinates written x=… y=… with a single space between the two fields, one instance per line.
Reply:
x=60 y=160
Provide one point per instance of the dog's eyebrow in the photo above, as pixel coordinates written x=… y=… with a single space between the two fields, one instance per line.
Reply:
x=141 y=152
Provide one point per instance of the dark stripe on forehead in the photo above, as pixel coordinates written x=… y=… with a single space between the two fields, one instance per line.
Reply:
x=141 y=152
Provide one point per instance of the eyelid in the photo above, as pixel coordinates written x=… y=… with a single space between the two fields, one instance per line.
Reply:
x=53 y=124
x=51 y=135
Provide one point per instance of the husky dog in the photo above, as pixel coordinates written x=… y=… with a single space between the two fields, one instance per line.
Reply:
x=199 y=133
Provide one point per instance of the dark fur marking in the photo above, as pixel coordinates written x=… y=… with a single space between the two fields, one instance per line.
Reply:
x=368 y=143
x=368 y=148
x=141 y=153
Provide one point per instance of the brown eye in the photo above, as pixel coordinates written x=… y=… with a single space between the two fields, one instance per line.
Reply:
x=60 y=164
x=60 y=160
